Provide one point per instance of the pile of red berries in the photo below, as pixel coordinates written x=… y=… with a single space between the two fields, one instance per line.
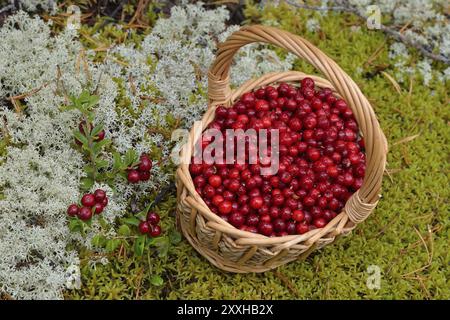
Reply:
x=91 y=203
x=142 y=170
x=321 y=161
x=81 y=126
x=150 y=226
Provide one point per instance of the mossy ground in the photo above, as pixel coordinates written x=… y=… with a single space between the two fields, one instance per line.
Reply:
x=407 y=236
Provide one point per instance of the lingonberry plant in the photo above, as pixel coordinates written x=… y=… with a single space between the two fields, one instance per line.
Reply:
x=147 y=224
x=321 y=161
x=90 y=139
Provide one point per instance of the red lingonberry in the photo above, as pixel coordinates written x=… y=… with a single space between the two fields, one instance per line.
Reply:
x=225 y=207
x=248 y=99
x=221 y=112
x=99 y=195
x=217 y=200
x=261 y=105
x=286 y=213
x=98 y=208
x=256 y=202
x=265 y=228
x=252 y=219
x=145 y=164
x=307 y=83
x=72 y=210
x=279 y=225
x=100 y=136
x=302 y=228
x=215 y=181
x=195 y=169
x=85 y=213
x=155 y=231
x=144 y=175
x=133 y=176
x=153 y=218
x=298 y=215
x=328 y=215
x=320 y=222
x=236 y=219
x=290 y=227
x=88 y=200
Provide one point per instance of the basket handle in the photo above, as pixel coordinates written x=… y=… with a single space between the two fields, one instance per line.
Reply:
x=362 y=203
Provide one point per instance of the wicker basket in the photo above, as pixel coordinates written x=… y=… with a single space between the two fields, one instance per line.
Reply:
x=234 y=250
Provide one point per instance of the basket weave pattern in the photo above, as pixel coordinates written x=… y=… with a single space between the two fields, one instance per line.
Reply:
x=234 y=250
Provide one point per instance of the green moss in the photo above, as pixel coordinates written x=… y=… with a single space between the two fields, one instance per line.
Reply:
x=415 y=201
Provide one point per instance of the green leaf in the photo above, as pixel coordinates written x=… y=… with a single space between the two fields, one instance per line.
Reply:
x=156 y=280
x=103 y=223
x=93 y=100
x=68 y=107
x=83 y=97
x=96 y=130
x=86 y=183
x=87 y=99
x=112 y=185
x=90 y=116
x=142 y=215
x=147 y=208
x=89 y=222
x=139 y=245
x=112 y=244
x=130 y=157
x=124 y=230
x=174 y=237
x=123 y=174
x=162 y=245
x=74 y=101
x=98 y=241
x=75 y=225
x=86 y=148
x=117 y=161
x=80 y=137
x=101 y=163
x=89 y=169
x=132 y=221
x=97 y=146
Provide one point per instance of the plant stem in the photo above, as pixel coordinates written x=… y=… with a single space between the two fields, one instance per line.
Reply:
x=86 y=126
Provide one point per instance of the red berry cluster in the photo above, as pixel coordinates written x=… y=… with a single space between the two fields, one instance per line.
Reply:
x=321 y=161
x=100 y=136
x=91 y=203
x=150 y=225
x=142 y=170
